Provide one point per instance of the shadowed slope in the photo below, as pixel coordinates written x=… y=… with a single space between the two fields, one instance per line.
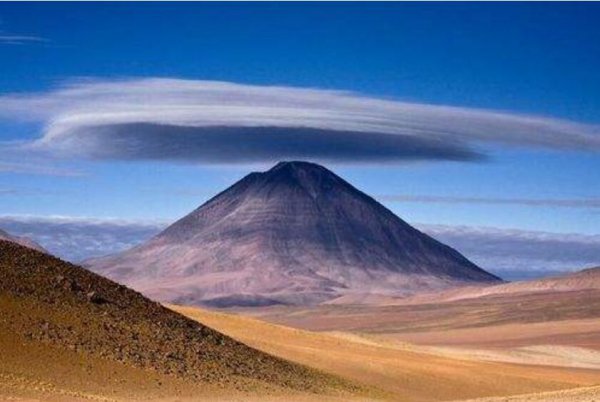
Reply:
x=48 y=304
x=295 y=234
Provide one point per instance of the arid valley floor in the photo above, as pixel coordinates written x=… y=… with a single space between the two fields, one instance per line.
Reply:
x=542 y=346
x=495 y=347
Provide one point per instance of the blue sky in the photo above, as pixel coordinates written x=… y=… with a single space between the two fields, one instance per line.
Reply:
x=523 y=59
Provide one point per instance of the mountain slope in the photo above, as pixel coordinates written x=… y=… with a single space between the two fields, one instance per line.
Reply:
x=23 y=241
x=586 y=279
x=50 y=305
x=581 y=280
x=294 y=234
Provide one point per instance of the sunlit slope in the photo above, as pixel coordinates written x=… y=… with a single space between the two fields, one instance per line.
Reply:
x=404 y=372
x=584 y=394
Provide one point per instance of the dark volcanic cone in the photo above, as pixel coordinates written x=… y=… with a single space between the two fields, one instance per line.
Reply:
x=297 y=233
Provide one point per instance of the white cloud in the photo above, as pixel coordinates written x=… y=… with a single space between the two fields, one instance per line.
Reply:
x=210 y=121
x=43 y=168
x=78 y=238
x=10 y=39
x=514 y=253
x=586 y=203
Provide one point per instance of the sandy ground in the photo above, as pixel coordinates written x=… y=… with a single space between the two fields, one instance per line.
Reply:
x=584 y=394
x=562 y=318
x=528 y=349
x=542 y=355
x=402 y=371
x=583 y=333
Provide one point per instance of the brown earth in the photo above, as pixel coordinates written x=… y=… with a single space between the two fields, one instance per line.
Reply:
x=404 y=372
x=583 y=394
x=68 y=333
x=553 y=317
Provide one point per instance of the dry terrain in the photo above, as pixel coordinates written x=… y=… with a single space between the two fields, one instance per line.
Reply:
x=583 y=280
x=583 y=394
x=407 y=372
x=295 y=234
x=68 y=334
x=512 y=320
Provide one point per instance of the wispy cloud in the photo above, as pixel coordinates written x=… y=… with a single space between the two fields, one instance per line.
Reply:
x=221 y=122
x=78 y=238
x=21 y=192
x=8 y=39
x=44 y=169
x=9 y=191
x=586 y=203
x=514 y=253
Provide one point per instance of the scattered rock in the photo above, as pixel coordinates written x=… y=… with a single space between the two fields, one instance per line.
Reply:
x=95 y=298
x=42 y=305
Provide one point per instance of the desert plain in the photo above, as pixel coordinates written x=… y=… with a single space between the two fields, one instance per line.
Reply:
x=536 y=346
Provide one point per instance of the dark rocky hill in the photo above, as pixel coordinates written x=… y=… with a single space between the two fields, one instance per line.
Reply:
x=48 y=304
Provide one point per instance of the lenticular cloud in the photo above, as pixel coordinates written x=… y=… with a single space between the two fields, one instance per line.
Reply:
x=220 y=122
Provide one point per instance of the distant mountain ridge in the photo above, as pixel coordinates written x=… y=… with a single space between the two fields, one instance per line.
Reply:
x=23 y=241
x=587 y=279
x=296 y=234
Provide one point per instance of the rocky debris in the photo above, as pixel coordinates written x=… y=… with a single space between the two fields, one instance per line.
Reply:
x=43 y=298
x=94 y=297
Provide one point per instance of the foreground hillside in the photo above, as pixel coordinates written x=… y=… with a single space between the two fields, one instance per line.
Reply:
x=69 y=332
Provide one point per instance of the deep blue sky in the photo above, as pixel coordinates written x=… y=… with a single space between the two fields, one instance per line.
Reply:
x=530 y=58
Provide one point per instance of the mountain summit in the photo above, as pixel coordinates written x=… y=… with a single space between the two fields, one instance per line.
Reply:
x=298 y=234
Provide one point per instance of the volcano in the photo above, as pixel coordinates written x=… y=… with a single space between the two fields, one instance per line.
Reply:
x=295 y=234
